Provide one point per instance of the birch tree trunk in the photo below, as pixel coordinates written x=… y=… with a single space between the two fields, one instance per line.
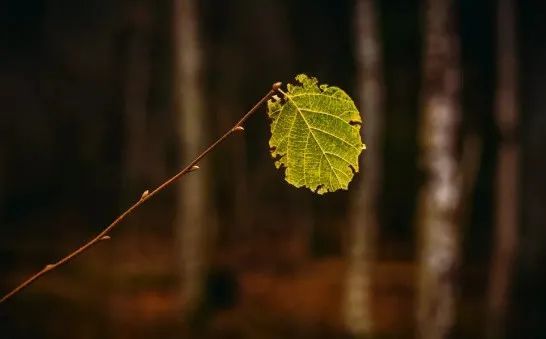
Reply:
x=364 y=214
x=193 y=215
x=506 y=199
x=440 y=195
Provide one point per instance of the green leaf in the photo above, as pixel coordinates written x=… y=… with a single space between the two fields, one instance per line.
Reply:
x=315 y=135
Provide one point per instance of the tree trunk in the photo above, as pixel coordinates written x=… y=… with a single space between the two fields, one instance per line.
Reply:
x=193 y=215
x=507 y=209
x=364 y=214
x=439 y=198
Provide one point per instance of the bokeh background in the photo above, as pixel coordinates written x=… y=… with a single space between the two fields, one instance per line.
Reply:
x=101 y=100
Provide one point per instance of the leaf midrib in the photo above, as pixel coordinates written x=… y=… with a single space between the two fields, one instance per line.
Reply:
x=290 y=97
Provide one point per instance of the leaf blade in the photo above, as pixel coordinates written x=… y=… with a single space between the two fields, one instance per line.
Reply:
x=314 y=137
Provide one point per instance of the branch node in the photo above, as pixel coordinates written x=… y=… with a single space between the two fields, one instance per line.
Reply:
x=145 y=194
x=106 y=237
x=194 y=168
x=238 y=128
x=276 y=86
x=49 y=266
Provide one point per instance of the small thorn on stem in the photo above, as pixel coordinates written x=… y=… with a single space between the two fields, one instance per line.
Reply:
x=106 y=237
x=194 y=168
x=49 y=266
x=238 y=128
x=145 y=194
x=276 y=86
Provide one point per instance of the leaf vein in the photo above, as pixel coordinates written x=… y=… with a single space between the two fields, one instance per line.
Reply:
x=334 y=136
x=324 y=113
x=315 y=138
x=320 y=95
x=339 y=157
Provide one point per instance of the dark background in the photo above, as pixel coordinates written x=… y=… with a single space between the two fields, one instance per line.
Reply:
x=63 y=72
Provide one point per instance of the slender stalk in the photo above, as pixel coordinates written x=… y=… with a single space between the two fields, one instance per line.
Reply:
x=103 y=235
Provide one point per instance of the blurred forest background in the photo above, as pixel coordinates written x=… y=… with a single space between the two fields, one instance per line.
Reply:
x=442 y=235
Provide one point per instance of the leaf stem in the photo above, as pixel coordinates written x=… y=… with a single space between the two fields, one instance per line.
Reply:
x=147 y=195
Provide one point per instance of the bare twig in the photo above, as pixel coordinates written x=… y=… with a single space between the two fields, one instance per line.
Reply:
x=147 y=195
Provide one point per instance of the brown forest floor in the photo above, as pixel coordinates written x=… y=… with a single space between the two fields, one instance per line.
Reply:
x=128 y=288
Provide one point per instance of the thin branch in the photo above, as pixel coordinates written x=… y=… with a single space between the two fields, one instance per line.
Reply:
x=192 y=166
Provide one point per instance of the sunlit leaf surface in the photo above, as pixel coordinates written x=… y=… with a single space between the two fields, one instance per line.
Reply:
x=315 y=135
